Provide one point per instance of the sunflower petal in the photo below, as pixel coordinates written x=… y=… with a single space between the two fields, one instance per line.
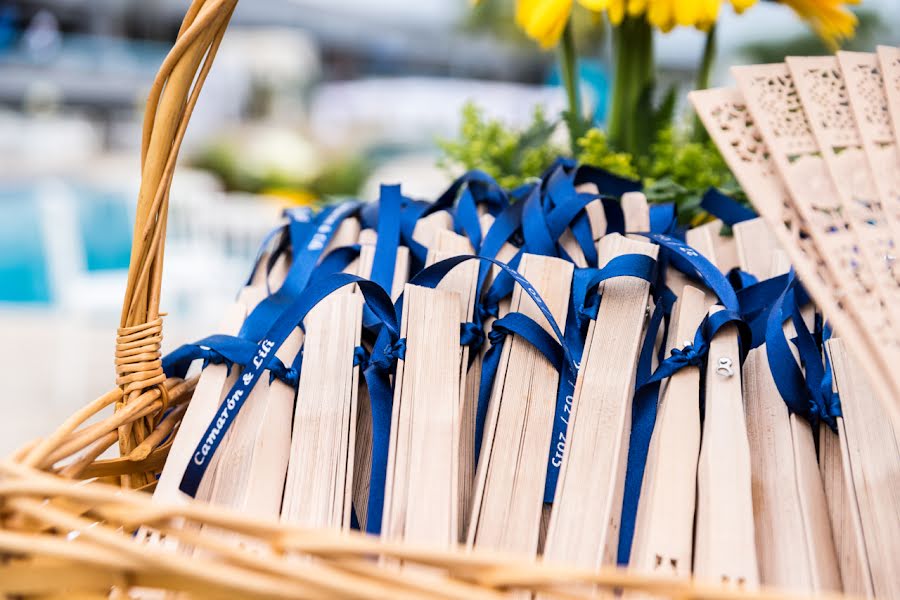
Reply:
x=595 y=5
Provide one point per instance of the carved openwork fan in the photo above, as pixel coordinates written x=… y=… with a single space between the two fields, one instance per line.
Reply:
x=813 y=143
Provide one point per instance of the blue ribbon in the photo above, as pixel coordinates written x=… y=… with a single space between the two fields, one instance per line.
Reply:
x=646 y=398
x=646 y=401
x=692 y=263
x=808 y=394
x=309 y=238
x=725 y=208
x=290 y=317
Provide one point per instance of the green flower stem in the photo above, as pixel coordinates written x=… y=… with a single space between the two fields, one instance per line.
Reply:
x=703 y=75
x=709 y=57
x=569 y=66
x=633 y=50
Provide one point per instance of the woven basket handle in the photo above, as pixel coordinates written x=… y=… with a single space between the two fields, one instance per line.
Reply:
x=172 y=99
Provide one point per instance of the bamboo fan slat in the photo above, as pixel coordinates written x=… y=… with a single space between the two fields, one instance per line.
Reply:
x=253 y=457
x=462 y=280
x=362 y=464
x=868 y=101
x=212 y=386
x=421 y=502
x=889 y=63
x=663 y=531
x=509 y=489
x=725 y=548
x=320 y=473
x=592 y=466
x=872 y=453
x=823 y=92
x=787 y=532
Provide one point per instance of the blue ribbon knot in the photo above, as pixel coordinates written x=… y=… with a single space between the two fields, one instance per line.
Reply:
x=212 y=357
x=471 y=335
x=497 y=333
x=384 y=359
x=360 y=358
x=689 y=356
x=287 y=375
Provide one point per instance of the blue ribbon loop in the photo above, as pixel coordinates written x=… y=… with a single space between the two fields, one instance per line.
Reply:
x=264 y=358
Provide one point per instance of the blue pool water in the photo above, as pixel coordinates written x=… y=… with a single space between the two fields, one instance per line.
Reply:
x=105 y=223
x=24 y=276
x=103 y=228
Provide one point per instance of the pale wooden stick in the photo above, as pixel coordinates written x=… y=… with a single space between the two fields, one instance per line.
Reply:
x=421 y=491
x=872 y=451
x=512 y=468
x=637 y=213
x=320 y=470
x=596 y=444
x=206 y=399
x=427 y=227
x=362 y=462
x=725 y=550
x=663 y=533
x=795 y=548
x=463 y=280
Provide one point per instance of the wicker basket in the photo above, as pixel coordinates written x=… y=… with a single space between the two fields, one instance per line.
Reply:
x=69 y=530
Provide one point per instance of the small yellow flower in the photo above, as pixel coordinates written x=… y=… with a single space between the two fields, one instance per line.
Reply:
x=544 y=20
x=830 y=19
x=701 y=14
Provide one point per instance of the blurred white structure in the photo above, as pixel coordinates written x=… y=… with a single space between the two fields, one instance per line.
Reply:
x=212 y=240
x=417 y=110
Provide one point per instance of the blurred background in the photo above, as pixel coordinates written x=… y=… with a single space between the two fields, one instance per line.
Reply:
x=308 y=100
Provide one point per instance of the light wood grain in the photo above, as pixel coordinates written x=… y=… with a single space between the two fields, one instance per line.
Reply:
x=795 y=547
x=509 y=492
x=318 y=486
x=592 y=472
x=421 y=493
x=869 y=445
x=663 y=535
x=463 y=280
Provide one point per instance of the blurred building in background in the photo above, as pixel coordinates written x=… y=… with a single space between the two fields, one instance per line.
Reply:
x=308 y=99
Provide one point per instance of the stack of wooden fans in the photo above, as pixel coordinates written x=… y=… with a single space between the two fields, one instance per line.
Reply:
x=552 y=391
x=813 y=142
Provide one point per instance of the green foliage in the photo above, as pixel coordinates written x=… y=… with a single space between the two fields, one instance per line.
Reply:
x=342 y=176
x=674 y=169
x=594 y=150
x=511 y=157
x=680 y=170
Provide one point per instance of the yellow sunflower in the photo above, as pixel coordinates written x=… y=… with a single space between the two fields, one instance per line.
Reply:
x=666 y=14
x=830 y=19
x=544 y=20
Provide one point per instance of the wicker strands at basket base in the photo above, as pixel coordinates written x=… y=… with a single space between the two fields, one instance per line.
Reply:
x=512 y=392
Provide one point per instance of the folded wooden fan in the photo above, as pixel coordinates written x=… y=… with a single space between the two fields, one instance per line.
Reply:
x=813 y=142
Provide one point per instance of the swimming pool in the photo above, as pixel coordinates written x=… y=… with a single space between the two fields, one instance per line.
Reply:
x=43 y=227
